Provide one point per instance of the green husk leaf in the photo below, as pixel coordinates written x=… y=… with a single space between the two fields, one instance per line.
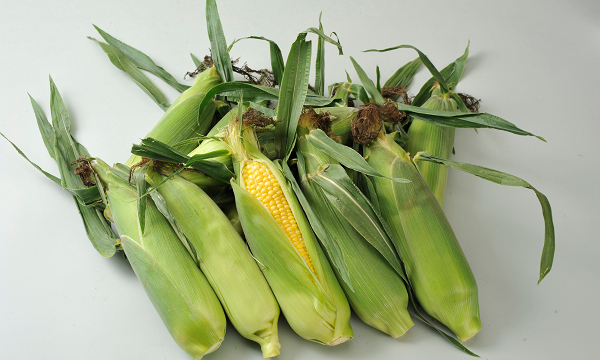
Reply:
x=403 y=76
x=277 y=65
x=428 y=64
x=352 y=205
x=292 y=95
x=320 y=63
x=218 y=44
x=156 y=150
x=501 y=178
x=45 y=128
x=161 y=205
x=48 y=175
x=141 y=60
x=331 y=246
x=342 y=153
x=463 y=120
x=123 y=64
x=139 y=177
x=367 y=84
x=452 y=73
x=197 y=62
x=378 y=74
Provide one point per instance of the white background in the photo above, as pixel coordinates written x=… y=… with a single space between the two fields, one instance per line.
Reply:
x=534 y=63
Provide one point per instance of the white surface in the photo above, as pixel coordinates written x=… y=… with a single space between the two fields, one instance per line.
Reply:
x=532 y=62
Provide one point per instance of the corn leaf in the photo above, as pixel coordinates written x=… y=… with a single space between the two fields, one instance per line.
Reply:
x=352 y=205
x=342 y=153
x=501 y=178
x=161 y=205
x=367 y=83
x=277 y=65
x=218 y=44
x=122 y=63
x=196 y=61
x=322 y=35
x=428 y=64
x=44 y=126
x=292 y=95
x=463 y=120
x=403 y=76
x=140 y=60
x=378 y=74
x=154 y=149
x=48 y=175
x=452 y=73
x=320 y=63
x=329 y=243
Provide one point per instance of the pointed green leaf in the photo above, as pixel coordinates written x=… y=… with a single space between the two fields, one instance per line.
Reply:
x=277 y=65
x=329 y=243
x=292 y=95
x=218 y=44
x=428 y=64
x=403 y=76
x=367 y=83
x=357 y=210
x=123 y=63
x=141 y=60
x=501 y=178
x=342 y=153
x=378 y=74
x=44 y=126
x=320 y=63
x=452 y=73
x=48 y=175
x=463 y=120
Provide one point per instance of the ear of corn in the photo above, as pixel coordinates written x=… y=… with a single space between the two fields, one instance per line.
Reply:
x=434 y=139
x=285 y=247
x=177 y=288
x=225 y=260
x=183 y=120
x=435 y=264
x=378 y=294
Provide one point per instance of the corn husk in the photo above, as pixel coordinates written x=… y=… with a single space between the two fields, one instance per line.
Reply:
x=184 y=119
x=375 y=290
x=434 y=139
x=435 y=264
x=177 y=288
x=310 y=297
x=225 y=260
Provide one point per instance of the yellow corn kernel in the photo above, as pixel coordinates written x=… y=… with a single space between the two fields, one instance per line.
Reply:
x=263 y=185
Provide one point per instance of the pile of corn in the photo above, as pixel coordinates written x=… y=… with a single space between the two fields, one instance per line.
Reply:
x=251 y=197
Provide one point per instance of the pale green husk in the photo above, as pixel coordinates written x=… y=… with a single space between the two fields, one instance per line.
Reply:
x=435 y=264
x=225 y=260
x=377 y=294
x=313 y=304
x=177 y=288
x=434 y=139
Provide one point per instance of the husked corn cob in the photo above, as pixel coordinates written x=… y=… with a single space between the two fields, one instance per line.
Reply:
x=436 y=140
x=292 y=261
x=177 y=288
x=262 y=184
x=225 y=260
x=435 y=264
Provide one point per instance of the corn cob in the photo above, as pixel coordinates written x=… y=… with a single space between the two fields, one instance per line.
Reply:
x=183 y=119
x=434 y=139
x=177 y=288
x=225 y=260
x=378 y=294
x=435 y=264
x=283 y=243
